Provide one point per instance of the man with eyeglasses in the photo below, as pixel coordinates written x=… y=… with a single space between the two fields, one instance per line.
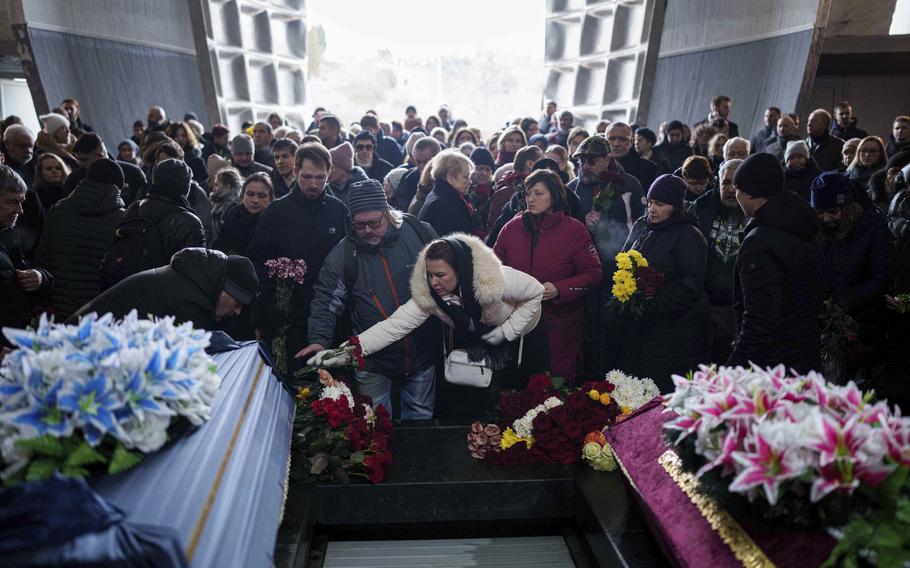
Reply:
x=365 y=157
x=368 y=273
x=305 y=224
x=385 y=146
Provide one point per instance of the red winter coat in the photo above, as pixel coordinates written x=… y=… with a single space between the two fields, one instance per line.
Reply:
x=556 y=249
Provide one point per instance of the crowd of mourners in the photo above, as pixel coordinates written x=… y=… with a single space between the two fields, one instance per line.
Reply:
x=427 y=235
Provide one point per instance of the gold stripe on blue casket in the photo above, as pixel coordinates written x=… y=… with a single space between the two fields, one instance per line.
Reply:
x=221 y=487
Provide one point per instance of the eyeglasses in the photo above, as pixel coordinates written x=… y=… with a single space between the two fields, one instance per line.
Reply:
x=372 y=224
x=361 y=147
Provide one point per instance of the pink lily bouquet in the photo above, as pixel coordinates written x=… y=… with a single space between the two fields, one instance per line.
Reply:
x=287 y=273
x=798 y=448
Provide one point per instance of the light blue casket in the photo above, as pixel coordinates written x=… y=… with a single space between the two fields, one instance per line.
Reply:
x=221 y=488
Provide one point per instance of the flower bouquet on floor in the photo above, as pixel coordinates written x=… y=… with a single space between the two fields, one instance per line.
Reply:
x=634 y=282
x=97 y=396
x=790 y=448
x=338 y=435
x=287 y=274
x=547 y=423
x=630 y=393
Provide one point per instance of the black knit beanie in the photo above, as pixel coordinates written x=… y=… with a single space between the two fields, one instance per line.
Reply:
x=760 y=175
x=105 y=171
x=172 y=178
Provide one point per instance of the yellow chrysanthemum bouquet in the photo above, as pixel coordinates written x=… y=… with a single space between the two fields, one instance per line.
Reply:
x=634 y=281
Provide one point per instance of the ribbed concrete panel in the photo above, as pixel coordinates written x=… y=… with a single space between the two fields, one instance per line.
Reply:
x=598 y=54
x=258 y=54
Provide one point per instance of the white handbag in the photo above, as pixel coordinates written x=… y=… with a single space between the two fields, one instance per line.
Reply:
x=459 y=370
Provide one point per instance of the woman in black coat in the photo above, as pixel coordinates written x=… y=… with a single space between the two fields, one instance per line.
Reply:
x=673 y=335
x=446 y=208
x=241 y=220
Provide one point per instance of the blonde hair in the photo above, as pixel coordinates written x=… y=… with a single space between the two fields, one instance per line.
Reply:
x=39 y=177
x=715 y=140
x=449 y=161
x=882 y=152
x=564 y=156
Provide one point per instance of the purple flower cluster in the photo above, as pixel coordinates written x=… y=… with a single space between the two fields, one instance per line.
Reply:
x=287 y=268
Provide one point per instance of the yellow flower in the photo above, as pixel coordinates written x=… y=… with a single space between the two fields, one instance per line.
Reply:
x=594 y=394
x=624 y=261
x=509 y=439
x=303 y=393
x=623 y=285
x=638 y=258
x=625 y=410
x=605 y=398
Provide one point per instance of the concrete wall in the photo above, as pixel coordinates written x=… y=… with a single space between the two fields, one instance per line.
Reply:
x=755 y=52
x=117 y=57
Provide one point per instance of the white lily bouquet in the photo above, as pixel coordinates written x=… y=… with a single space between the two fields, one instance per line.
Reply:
x=79 y=399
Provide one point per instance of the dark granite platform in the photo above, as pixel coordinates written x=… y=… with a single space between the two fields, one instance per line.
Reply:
x=435 y=488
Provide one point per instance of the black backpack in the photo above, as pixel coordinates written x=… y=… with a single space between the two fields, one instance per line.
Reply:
x=350 y=251
x=138 y=245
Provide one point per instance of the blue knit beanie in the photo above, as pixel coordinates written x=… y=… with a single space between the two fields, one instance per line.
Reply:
x=831 y=190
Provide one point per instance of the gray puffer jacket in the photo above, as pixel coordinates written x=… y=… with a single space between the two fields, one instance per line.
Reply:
x=381 y=284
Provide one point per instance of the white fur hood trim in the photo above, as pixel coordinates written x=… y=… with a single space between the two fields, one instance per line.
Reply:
x=489 y=280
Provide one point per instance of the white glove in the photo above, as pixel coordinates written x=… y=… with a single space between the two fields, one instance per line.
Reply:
x=325 y=358
x=494 y=337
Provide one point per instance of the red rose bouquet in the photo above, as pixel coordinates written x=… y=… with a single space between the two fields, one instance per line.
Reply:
x=337 y=434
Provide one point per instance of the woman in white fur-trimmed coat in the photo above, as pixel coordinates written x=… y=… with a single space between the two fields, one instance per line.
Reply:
x=491 y=310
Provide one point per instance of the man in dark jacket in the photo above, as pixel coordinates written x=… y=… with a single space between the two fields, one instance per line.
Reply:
x=283 y=150
x=425 y=150
x=80 y=230
x=786 y=133
x=824 y=148
x=899 y=140
x=20 y=283
x=199 y=285
x=855 y=264
x=166 y=207
x=344 y=173
x=19 y=156
x=844 y=126
x=721 y=221
x=675 y=149
x=799 y=169
x=305 y=224
x=777 y=291
x=89 y=147
x=242 y=151
x=386 y=148
x=262 y=140
x=561 y=135
x=619 y=136
x=759 y=139
x=368 y=273
x=77 y=127
x=220 y=144
x=365 y=157
x=720 y=109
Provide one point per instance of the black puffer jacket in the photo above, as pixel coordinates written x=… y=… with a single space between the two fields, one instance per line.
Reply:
x=79 y=231
x=16 y=303
x=237 y=230
x=187 y=289
x=177 y=229
x=645 y=171
x=294 y=227
x=800 y=182
x=446 y=211
x=778 y=290
x=673 y=335
x=856 y=266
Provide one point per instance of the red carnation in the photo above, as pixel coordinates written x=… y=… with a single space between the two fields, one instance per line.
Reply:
x=374 y=468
